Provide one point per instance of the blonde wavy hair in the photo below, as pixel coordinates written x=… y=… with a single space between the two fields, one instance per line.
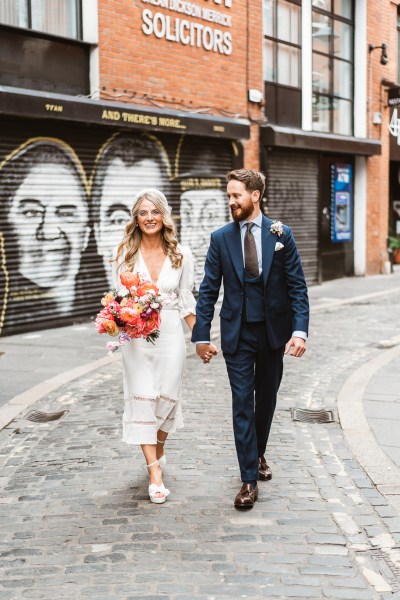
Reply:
x=129 y=247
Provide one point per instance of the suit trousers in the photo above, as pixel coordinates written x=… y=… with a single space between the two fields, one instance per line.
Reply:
x=255 y=373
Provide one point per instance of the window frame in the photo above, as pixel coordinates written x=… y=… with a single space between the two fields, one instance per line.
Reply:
x=278 y=41
x=331 y=96
x=79 y=24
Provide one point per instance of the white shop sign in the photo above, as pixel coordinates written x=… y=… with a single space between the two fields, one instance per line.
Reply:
x=188 y=32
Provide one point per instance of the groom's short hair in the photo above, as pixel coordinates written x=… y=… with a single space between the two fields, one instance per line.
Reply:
x=253 y=180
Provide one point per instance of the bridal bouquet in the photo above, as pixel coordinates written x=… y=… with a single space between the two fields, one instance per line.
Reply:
x=133 y=315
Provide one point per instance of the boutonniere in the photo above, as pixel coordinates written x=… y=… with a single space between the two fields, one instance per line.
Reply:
x=277 y=228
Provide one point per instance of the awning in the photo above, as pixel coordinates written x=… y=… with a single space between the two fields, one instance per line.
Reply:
x=46 y=105
x=298 y=139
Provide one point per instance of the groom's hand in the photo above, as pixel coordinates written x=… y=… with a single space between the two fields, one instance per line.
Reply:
x=206 y=351
x=296 y=346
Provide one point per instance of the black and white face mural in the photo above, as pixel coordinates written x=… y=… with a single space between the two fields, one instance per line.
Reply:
x=202 y=212
x=125 y=165
x=64 y=207
x=45 y=224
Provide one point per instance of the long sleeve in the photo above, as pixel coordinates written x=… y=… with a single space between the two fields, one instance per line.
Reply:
x=208 y=293
x=186 y=300
x=116 y=270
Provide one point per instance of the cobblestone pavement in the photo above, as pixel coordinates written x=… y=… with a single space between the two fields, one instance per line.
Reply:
x=76 y=521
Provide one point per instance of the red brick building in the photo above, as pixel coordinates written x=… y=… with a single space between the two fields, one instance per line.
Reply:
x=101 y=98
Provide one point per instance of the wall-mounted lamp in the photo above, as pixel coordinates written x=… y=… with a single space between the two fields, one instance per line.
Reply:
x=384 y=56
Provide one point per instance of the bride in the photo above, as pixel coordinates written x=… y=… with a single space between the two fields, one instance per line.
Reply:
x=153 y=373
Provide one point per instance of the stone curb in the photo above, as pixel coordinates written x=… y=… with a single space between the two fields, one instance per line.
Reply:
x=379 y=467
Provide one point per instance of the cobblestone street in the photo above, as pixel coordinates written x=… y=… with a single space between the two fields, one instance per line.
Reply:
x=76 y=521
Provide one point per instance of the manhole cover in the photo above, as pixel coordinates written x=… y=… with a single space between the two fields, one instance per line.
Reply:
x=312 y=416
x=43 y=417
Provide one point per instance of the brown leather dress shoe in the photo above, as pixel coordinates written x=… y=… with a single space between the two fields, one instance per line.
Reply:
x=264 y=470
x=247 y=496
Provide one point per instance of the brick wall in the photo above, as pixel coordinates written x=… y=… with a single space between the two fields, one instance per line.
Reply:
x=155 y=72
x=382 y=27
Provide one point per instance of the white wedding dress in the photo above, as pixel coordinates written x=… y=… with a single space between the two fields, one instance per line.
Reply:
x=152 y=374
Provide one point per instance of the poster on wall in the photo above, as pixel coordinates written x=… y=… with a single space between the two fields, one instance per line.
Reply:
x=341 y=202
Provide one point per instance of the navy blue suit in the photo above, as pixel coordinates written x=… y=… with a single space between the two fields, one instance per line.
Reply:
x=253 y=347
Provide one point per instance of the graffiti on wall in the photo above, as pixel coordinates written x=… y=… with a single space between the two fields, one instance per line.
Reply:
x=60 y=222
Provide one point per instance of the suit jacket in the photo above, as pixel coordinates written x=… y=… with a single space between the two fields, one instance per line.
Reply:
x=285 y=293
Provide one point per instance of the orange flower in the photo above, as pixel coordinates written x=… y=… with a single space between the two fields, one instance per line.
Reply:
x=128 y=279
x=129 y=315
x=144 y=288
x=152 y=324
x=106 y=299
x=111 y=327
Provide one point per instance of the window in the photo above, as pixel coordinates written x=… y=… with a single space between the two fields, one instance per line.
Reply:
x=57 y=17
x=281 y=42
x=281 y=60
x=332 y=44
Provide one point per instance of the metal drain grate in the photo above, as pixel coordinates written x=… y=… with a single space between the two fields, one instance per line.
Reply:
x=312 y=416
x=388 y=569
x=43 y=417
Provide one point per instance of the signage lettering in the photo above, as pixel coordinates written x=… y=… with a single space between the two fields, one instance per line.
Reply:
x=111 y=115
x=141 y=119
x=394 y=125
x=54 y=107
x=187 y=32
x=152 y=120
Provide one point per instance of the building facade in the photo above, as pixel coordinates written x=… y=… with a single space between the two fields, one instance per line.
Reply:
x=101 y=98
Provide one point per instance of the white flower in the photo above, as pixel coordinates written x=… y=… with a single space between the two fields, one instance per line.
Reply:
x=277 y=228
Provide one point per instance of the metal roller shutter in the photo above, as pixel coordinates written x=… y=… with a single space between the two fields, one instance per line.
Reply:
x=66 y=192
x=292 y=197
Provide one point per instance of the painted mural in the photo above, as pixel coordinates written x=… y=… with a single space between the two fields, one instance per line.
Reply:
x=64 y=204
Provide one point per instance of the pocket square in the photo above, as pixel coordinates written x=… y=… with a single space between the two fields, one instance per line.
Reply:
x=278 y=246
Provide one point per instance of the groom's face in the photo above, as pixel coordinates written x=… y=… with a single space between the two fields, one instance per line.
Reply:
x=243 y=204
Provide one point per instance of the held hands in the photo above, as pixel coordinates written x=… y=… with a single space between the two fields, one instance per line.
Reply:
x=296 y=346
x=206 y=352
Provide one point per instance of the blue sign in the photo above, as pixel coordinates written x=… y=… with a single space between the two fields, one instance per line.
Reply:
x=341 y=203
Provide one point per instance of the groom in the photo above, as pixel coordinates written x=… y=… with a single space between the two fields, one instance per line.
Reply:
x=264 y=314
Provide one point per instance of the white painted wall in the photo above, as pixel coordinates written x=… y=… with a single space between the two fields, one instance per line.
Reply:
x=360 y=215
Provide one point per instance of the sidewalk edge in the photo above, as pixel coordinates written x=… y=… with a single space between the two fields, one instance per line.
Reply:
x=382 y=471
x=16 y=405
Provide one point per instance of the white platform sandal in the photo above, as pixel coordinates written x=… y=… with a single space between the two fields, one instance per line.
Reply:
x=157 y=489
x=163 y=459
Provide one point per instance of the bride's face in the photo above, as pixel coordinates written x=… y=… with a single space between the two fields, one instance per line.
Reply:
x=150 y=219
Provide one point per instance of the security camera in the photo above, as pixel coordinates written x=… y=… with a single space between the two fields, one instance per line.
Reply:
x=384 y=56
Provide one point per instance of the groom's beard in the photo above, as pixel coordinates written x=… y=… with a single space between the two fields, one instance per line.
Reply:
x=240 y=213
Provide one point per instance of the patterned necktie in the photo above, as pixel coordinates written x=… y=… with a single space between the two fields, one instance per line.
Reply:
x=250 y=252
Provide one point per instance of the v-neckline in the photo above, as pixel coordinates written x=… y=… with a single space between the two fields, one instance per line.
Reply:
x=148 y=272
